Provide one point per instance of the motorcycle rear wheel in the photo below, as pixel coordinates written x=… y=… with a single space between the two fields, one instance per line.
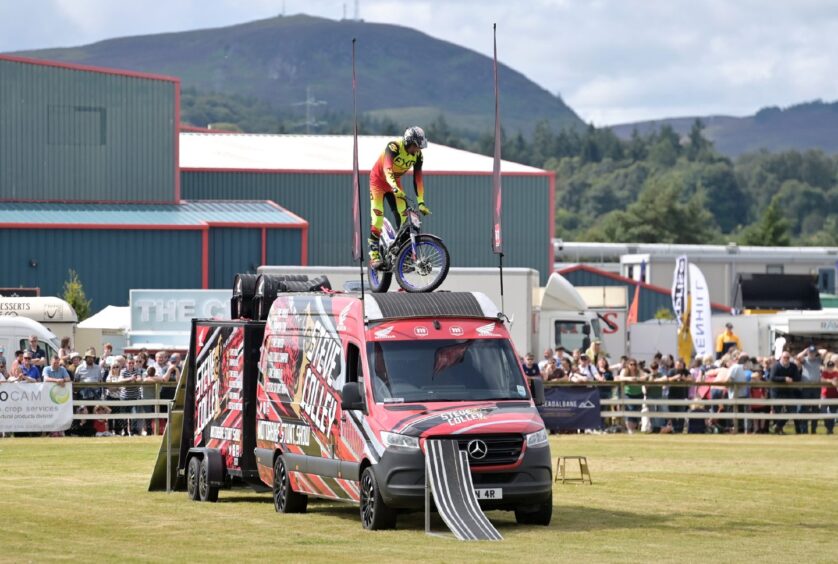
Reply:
x=379 y=280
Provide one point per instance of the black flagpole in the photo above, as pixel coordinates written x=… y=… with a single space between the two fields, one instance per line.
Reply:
x=356 y=184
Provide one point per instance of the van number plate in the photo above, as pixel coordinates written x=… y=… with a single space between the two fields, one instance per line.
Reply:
x=488 y=493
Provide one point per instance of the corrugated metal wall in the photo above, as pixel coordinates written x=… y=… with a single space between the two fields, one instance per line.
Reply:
x=231 y=251
x=460 y=203
x=108 y=262
x=284 y=247
x=235 y=250
x=72 y=135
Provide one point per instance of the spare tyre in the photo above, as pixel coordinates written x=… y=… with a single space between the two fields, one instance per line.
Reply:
x=267 y=287
x=244 y=286
x=319 y=283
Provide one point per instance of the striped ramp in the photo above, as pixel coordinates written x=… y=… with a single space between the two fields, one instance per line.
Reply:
x=450 y=480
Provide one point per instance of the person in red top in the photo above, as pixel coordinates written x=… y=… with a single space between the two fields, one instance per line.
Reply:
x=399 y=156
x=829 y=376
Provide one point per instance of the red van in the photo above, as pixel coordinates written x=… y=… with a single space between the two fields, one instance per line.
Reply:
x=334 y=397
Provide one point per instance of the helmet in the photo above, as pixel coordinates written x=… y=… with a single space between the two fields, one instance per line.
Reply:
x=416 y=136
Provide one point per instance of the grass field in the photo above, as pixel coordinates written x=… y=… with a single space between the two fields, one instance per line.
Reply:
x=654 y=498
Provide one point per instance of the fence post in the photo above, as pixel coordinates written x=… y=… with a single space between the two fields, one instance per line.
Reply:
x=169 y=449
x=155 y=423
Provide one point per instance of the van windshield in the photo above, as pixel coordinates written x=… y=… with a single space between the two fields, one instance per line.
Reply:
x=445 y=370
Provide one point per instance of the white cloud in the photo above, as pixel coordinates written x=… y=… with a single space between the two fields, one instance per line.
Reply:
x=611 y=60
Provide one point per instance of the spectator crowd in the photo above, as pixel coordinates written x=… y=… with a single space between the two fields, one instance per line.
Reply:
x=730 y=374
x=128 y=377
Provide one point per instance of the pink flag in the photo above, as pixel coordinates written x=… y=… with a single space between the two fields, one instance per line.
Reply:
x=497 y=238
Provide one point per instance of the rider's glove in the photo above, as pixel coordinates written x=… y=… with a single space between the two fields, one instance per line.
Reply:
x=424 y=209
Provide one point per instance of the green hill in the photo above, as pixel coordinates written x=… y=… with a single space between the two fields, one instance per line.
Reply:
x=402 y=74
x=804 y=126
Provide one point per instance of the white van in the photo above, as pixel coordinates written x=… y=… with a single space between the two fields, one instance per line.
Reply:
x=14 y=336
x=53 y=313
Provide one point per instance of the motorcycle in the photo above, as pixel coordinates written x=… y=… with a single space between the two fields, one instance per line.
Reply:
x=419 y=260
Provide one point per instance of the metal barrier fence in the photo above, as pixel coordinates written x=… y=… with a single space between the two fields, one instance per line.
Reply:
x=737 y=405
x=156 y=402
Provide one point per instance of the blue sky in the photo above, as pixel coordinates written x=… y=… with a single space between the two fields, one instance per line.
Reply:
x=613 y=61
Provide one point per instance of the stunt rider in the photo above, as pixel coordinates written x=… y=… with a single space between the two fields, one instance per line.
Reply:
x=385 y=182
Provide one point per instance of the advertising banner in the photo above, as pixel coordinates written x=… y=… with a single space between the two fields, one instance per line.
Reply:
x=700 y=313
x=30 y=408
x=679 y=289
x=571 y=408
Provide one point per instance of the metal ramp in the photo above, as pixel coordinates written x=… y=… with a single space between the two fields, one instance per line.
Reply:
x=164 y=475
x=448 y=478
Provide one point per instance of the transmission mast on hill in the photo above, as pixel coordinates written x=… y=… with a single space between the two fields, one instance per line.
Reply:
x=310 y=102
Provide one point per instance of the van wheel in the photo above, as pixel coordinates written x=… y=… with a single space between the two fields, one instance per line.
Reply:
x=193 y=472
x=286 y=500
x=375 y=515
x=541 y=515
x=206 y=492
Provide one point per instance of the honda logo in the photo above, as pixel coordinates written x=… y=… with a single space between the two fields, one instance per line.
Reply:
x=477 y=449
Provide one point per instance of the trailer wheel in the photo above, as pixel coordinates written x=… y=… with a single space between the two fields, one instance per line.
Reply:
x=286 y=500
x=375 y=515
x=193 y=472
x=541 y=515
x=206 y=492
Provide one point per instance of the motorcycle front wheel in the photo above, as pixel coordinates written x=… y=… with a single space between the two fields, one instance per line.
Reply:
x=425 y=271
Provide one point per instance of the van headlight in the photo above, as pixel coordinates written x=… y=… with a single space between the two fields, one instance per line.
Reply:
x=396 y=440
x=537 y=439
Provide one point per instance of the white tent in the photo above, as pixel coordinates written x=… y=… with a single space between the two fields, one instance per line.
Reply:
x=112 y=318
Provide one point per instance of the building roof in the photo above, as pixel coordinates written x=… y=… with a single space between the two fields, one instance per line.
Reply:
x=319 y=153
x=184 y=214
x=598 y=272
x=635 y=252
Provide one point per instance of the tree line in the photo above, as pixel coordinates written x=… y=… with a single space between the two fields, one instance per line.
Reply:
x=657 y=187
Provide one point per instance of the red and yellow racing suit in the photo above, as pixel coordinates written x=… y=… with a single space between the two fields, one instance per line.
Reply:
x=385 y=179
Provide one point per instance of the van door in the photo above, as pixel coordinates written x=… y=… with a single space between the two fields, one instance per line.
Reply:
x=351 y=443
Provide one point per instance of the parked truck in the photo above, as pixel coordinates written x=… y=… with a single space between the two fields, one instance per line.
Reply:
x=555 y=315
x=324 y=394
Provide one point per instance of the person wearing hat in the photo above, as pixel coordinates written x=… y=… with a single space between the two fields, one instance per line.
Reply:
x=73 y=362
x=89 y=371
x=727 y=340
x=585 y=371
x=811 y=364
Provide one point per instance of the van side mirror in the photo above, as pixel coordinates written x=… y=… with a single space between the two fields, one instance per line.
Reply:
x=537 y=389
x=351 y=397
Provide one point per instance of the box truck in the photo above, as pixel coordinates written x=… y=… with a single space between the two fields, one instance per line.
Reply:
x=555 y=315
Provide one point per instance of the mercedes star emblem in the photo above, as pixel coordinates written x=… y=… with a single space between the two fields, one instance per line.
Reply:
x=477 y=449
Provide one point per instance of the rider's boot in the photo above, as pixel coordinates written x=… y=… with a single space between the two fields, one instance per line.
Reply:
x=375 y=255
